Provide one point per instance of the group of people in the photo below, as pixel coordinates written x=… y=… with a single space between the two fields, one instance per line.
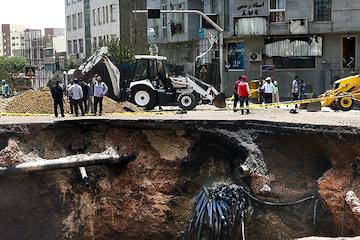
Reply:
x=84 y=96
x=298 y=89
x=268 y=91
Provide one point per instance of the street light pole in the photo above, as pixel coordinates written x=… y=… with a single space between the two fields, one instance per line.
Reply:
x=217 y=27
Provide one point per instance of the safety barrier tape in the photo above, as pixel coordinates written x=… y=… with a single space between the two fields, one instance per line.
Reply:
x=288 y=103
x=228 y=107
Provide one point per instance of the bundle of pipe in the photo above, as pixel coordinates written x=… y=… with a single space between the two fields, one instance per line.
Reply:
x=108 y=157
x=222 y=209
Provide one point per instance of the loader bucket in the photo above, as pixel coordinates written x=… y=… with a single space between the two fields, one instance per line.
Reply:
x=314 y=107
x=219 y=101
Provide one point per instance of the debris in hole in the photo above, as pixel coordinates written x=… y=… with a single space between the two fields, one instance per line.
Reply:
x=223 y=210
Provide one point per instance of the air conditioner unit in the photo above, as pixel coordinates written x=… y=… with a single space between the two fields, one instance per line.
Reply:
x=255 y=57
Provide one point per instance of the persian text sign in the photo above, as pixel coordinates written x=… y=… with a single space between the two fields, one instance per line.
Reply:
x=251 y=8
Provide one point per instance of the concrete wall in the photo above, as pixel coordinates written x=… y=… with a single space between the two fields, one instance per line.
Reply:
x=133 y=26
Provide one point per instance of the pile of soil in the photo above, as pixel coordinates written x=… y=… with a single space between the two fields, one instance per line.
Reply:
x=41 y=102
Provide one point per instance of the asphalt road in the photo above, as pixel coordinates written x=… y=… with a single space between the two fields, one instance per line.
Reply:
x=325 y=117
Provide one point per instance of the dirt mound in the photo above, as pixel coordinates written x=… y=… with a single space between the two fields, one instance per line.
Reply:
x=41 y=102
x=32 y=102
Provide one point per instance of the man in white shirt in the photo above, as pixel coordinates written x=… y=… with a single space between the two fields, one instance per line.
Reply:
x=77 y=96
x=100 y=89
x=295 y=88
x=268 y=89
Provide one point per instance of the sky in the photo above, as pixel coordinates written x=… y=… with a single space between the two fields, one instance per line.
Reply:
x=33 y=14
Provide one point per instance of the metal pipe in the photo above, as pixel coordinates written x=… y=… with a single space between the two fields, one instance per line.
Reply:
x=84 y=177
x=108 y=157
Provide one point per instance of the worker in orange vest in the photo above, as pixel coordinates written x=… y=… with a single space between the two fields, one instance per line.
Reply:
x=244 y=93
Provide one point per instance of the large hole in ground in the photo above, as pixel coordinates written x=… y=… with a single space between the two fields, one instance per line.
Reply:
x=152 y=198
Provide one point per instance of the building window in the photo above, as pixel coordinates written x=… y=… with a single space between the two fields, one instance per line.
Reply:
x=113 y=13
x=80 y=20
x=277 y=10
x=69 y=47
x=322 y=10
x=214 y=6
x=349 y=52
x=94 y=17
x=99 y=16
x=75 y=46
x=236 y=56
x=294 y=62
x=94 y=42
x=68 y=22
x=100 y=42
x=81 y=46
x=107 y=14
x=104 y=15
x=74 y=22
x=164 y=21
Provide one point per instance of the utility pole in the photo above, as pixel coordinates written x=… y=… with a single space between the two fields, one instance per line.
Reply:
x=217 y=27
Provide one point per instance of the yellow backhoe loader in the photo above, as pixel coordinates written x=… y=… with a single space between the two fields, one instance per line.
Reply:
x=344 y=95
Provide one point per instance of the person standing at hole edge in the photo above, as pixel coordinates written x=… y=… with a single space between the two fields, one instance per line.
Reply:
x=268 y=89
x=68 y=93
x=57 y=95
x=77 y=95
x=100 y=89
x=302 y=89
x=236 y=95
x=244 y=93
x=295 y=88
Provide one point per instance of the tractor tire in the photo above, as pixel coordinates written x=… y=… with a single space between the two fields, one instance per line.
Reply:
x=187 y=101
x=334 y=106
x=144 y=97
x=346 y=102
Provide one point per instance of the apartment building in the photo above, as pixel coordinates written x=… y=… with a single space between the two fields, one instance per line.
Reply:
x=12 y=40
x=317 y=40
x=91 y=23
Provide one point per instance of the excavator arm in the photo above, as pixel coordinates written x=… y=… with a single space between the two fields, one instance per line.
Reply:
x=100 y=56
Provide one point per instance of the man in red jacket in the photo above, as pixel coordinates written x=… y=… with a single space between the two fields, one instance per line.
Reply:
x=236 y=96
x=244 y=93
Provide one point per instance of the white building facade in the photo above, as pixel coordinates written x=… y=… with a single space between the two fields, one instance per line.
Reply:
x=12 y=40
x=89 y=23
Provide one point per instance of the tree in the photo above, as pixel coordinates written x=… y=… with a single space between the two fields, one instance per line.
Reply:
x=120 y=52
x=72 y=64
x=10 y=66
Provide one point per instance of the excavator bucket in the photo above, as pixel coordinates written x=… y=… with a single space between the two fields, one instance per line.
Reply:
x=314 y=106
x=219 y=101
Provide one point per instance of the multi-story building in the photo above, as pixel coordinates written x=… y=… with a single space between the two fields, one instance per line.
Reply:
x=317 y=40
x=176 y=35
x=30 y=35
x=90 y=23
x=12 y=40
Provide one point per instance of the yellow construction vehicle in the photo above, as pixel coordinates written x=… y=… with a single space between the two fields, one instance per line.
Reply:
x=343 y=96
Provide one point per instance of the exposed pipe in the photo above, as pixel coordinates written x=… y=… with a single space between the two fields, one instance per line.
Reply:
x=107 y=157
x=84 y=177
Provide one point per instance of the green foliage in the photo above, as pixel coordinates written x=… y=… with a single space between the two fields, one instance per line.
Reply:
x=120 y=52
x=72 y=64
x=11 y=65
